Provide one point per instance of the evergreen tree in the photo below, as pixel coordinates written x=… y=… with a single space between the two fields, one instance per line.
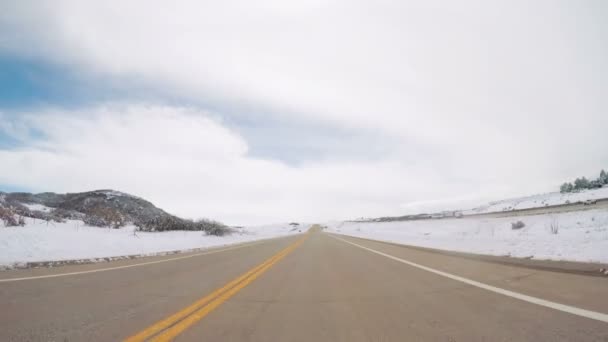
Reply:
x=566 y=187
x=584 y=183
x=581 y=183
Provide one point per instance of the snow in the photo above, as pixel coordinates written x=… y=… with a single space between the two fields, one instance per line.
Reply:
x=110 y=194
x=37 y=207
x=542 y=200
x=582 y=235
x=39 y=241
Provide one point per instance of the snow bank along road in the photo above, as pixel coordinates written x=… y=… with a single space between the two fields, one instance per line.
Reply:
x=580 y=236
x=308 y=287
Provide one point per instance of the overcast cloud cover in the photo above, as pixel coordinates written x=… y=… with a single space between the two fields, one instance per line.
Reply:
x=264 y=111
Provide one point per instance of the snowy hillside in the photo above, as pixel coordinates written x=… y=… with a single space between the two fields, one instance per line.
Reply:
x=42 y=241
x=542 y=200
x=575 y=236
x=99 y=208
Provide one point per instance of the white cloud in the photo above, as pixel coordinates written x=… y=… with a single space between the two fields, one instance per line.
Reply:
x=483 y=99
x=190 y=164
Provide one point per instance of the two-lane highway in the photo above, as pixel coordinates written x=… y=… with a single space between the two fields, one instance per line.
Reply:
x=310 y=287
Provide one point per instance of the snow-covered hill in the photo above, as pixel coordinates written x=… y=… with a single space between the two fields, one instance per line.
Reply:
x=539 y=201
x=100 y=208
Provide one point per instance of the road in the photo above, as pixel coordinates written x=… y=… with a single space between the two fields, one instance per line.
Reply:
x=309 y=287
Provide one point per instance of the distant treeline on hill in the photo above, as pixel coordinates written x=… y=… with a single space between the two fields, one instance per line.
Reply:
x=584 y=183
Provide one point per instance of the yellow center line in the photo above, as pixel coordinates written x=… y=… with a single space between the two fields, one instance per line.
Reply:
x=170 y=327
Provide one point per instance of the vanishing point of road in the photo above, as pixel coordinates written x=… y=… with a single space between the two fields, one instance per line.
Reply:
x=309 y=287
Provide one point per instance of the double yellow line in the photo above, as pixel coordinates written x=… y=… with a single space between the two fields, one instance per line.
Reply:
x=168 y=328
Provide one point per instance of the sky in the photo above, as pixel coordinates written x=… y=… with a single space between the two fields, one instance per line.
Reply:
x=268 y=111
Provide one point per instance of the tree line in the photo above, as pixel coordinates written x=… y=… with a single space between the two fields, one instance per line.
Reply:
x=584 y=183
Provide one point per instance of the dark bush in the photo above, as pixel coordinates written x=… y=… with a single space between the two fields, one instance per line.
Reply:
x=104 y=217
x=218 y=231
x=40 y=215
x=518 y=225
x=213 y=227
x=64 y=214
x=162 y=223
x=170 y=222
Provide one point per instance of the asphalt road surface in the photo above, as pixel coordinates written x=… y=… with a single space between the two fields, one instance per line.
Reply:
x=310 y=287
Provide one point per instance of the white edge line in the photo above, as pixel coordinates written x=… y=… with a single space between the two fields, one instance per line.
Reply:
x=534 y=300
x=245 y=244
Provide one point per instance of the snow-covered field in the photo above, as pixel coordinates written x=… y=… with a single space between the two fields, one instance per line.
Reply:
x=578 y=236
x=38 y=241
x=538 y=201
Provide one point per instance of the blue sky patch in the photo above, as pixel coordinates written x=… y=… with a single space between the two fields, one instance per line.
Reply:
x=13 y=188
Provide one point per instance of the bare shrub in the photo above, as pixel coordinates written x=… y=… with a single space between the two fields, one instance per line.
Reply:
x=517 y=225
x=60 y=215
x=212 y=227
x=104 y=217
x=170 y=222
x=219 y=230
x=554 y=226
x=161 y=223
x=41 y=215
x=8 y=217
